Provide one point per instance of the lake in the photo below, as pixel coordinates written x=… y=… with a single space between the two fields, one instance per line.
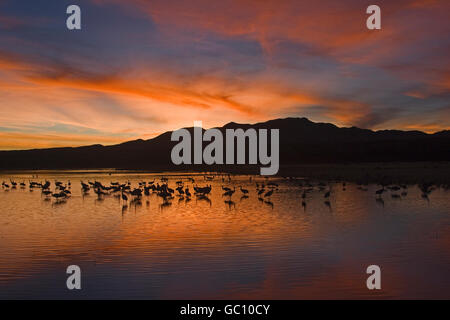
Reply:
x=218 y=247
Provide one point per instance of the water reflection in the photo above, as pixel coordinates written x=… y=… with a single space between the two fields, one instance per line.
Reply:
x=248 y=237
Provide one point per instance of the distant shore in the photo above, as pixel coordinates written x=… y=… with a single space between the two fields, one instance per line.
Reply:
x=410 y=172
x=392 y=172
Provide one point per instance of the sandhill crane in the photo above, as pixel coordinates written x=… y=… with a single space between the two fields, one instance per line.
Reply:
x=180 y=190
x=380 y=191
x=244 y=191
x=124 y=197
x=229 y=193
x=137 y=193
x=426 y=189
x=60 y=195
x=268 y=193
x=46 y=185
x=85 y=187
x=203 y=190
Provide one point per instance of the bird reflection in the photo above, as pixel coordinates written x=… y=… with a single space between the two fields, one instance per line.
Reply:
x=230 y=204
x=244 y=197
x=269 y=203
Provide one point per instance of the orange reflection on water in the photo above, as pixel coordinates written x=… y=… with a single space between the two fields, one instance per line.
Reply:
x=212 y=249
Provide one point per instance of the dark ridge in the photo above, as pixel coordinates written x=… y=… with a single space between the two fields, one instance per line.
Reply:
x=301 y=142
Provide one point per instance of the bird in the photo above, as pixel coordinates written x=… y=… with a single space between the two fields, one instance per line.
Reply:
x=244 y=191
x=124 y=197
x=230 y=192
x=268 y=193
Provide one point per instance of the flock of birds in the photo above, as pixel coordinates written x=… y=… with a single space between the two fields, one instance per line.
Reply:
x=128 y=194
x=134 y=195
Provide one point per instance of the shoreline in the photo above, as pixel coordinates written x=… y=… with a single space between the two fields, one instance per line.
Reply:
x=390 y=172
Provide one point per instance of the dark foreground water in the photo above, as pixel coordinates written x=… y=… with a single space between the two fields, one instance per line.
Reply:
x=209 y=248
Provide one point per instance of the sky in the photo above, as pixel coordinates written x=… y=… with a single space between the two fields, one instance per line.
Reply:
x=138 y=68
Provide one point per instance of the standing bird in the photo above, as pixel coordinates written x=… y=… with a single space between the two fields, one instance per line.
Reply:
x=230 y=192
x=260 y=192
x=244 y=191
x=124 y=197
x=268 y=194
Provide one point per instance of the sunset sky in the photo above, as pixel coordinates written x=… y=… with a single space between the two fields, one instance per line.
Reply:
x=141 y=67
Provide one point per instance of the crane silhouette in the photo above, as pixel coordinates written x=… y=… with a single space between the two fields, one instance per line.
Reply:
x=244 y=191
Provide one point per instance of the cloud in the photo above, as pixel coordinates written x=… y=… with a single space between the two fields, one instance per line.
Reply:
x=162 y=65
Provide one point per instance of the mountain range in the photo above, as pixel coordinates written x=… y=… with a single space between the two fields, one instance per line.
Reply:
x=301 y=142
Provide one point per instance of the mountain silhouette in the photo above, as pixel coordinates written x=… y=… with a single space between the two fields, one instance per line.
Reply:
x=301 y=142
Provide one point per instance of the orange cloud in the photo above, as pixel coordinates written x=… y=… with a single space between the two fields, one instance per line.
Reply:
x=136 y=98
x=171 y=94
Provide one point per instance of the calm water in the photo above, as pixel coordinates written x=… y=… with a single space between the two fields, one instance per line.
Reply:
x=212 y=249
